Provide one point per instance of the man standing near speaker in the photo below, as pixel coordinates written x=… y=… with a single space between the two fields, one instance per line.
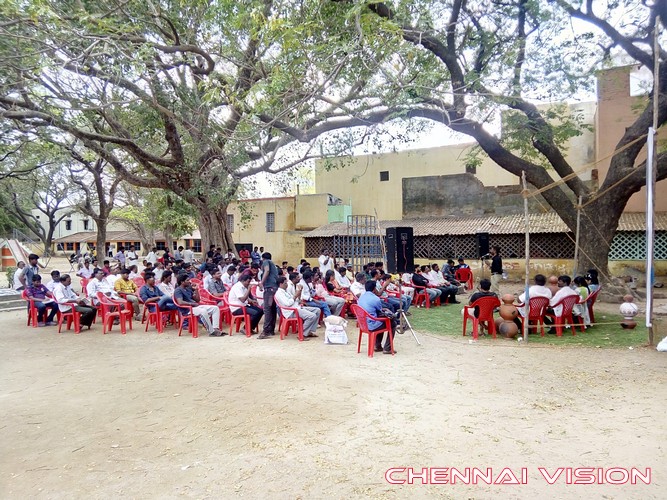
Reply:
x=496 y=264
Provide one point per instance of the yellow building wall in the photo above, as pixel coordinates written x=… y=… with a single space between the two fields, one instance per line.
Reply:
x=311 y=211
x=356 y=180
x=284 y=243
x=617 y=110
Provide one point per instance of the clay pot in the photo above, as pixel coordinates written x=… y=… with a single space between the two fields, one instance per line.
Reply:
x=508 y=329
x=508 y=312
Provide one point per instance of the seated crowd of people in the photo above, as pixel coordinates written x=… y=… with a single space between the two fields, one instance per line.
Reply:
x=170 y=283
x=555 y=289
x=252 y=285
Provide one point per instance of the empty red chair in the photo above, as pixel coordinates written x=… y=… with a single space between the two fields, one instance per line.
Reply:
x=32 y=309
x=362 y=322
x=566 y=314
x=486 y=307
x=112 y=309
x=464 y=275
x=294 y=322
x=84 y=286
x=590 y=302
x=536 y=309
x=139 y=281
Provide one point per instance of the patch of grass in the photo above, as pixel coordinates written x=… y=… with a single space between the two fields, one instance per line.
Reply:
x=448 y=321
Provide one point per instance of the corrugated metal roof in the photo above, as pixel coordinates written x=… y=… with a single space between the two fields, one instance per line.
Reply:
x=548 y=222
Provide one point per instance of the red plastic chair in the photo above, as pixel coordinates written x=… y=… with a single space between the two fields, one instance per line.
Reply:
x=72 y=316
x=362 y=322
x=208 y=299
x=294 y=322
x=139 y=281
x=84 y=286
x=536 y=308
x=236 y=321
x=112 y=309
x=185 y=313
x=464 y=275
x=486 y=306
x=421 y=297
x=157 y=317
x=566 y=315
x=32 y=309
x=591 y=302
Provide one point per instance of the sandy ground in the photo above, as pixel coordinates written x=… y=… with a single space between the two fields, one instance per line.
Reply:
x=158 y=416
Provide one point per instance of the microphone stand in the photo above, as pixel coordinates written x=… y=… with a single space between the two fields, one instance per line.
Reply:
x=403 y=318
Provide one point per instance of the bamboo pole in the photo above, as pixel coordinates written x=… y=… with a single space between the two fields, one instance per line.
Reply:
x=526 y=305
x=576 y=240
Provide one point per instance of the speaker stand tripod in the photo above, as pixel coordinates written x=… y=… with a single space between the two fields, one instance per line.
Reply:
x=403 y=321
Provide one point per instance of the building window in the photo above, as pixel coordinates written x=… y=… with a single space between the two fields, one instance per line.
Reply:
x=85 y=224
x=174 y=244
x=230 y=222
x=270 y=222
x=69 y=246
x=68 y=225
x=160 y=245
x=196 y=246
x=384 y=176
x=137 y=246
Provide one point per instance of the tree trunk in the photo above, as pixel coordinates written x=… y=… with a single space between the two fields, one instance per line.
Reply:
x=597 y=233
x=213 y=228
x=101 y=240
x=48 y=240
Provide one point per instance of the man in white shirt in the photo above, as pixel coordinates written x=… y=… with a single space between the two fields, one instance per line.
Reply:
x=152 y=256
x=341 y=277
x=86 y=271
x=309 y=315
x=229 y=277
x=100 y=284
x=178 y=254
x=537 y=290
x=55 y=279
x=114 y=276
x=18 y=286
x=359 y=285
x=436 y=279
x=67 y=300
x=239 y=296
x=308 y=294
x=326 y=261
x=188 y=256
x=564 y=290
x=229 y=255
x=131 y=258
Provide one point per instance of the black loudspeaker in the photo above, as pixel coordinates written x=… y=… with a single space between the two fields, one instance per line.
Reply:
x=482 y=240
x=400 y=250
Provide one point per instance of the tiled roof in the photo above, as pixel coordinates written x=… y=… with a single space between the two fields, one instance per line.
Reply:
x=548 y=222
x=91 y=236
